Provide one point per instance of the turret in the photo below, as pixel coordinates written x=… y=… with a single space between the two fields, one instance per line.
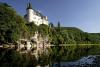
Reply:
x=29 y=12
x=29 y=6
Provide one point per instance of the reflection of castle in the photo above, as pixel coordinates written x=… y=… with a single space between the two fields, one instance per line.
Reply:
x=35 y=16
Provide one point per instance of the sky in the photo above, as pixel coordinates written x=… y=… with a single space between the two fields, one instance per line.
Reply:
x=83 y=14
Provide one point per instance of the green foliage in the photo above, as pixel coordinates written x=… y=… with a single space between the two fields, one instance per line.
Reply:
x=43 y=29
x=32 y=28
x=11 y=24
x=13 y=27
x=72 y=35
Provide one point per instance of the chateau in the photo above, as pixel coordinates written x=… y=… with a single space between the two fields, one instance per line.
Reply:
x=35 y=16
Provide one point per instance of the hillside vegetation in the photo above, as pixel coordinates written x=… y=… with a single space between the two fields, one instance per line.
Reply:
x=14 y=27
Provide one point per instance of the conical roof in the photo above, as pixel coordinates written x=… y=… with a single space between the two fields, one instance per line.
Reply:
x=29 y=6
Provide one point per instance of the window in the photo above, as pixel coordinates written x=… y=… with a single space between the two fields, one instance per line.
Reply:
x=34 y=17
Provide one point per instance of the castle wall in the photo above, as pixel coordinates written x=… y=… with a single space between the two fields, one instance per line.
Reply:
x=32 y=17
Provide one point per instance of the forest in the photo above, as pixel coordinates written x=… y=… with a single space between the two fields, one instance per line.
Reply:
x=14 y=26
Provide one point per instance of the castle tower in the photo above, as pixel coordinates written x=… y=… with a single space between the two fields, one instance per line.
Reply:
x=29 y=12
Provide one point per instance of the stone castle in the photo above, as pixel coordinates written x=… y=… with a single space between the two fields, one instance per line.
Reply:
x=35 y=16
x=36 y=42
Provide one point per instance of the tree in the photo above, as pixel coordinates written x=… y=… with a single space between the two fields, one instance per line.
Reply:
x=43 y=30
x=11 y=24
x=58 y=27
x=32 y=28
